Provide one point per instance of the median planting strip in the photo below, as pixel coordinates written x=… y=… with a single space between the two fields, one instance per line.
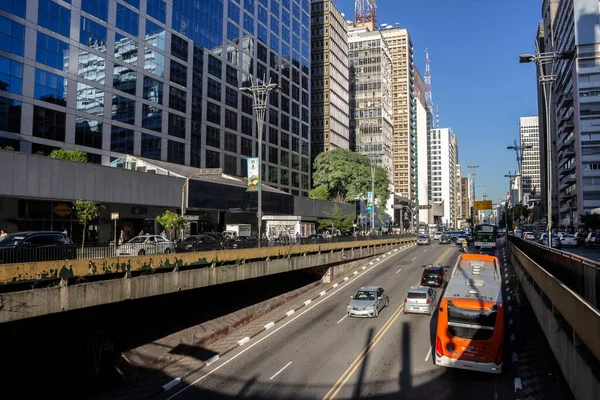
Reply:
x=270 y=325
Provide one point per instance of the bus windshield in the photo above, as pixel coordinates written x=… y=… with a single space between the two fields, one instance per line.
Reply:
x=471 y=324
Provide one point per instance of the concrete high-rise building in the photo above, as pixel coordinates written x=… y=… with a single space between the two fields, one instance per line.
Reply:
x=159 y=79
x=458 y=199
x=465 y=199
x=404 y=150
x=421 y=171
x=530 y=158
x=570 y=25
x=329 y=79
x=371 y=124
x=443 y=153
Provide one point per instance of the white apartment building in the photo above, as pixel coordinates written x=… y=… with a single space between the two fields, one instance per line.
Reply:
x=329 y=79
x=529 y=132
x=458 y=200
x=443 y=155
x=371 y=124
x=421 y=171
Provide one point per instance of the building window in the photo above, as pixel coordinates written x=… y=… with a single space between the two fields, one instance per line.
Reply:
x=52 y=52
x=231 y=119
x=153 y=90
x=88 y=132
x=124 y=79
x=126 y=49
x=151 y=117
x=11 y=75
x=176 y=125
x=213 y=137
x=179 y=48
x=176 y=152
x=213 y=113
x=231 y=97
x=10 y=117
x=212 y=159
x=231 y=142
x=134 y=3
x=177 y=99
x=123 y=109
x=98 y=8
x=49 y=124
x=247 y=104
x=157 y=9
x=54 y=17
x=246 y=126
x=246 y=147
x=155 y=35
x=154 y=62
x=213 y=89
x=230 y=164
x=151 y=146
x=178 y=73
x=121 y=140
x=50 y=87
x=127 y=20
x=16 y=7
x=214 y=66
x=273 y=174
x=12 y=36
x=91 y=67
x=92 y=34
x=90 y=99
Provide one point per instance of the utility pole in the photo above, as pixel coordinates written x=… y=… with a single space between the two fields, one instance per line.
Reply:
x=510 y=181
x=472 y=169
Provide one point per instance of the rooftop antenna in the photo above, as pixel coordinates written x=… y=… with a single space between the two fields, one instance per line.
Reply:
x=428 y=93
x=365 y=11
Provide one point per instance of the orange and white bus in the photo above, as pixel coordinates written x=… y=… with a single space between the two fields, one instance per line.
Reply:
x=470 y=330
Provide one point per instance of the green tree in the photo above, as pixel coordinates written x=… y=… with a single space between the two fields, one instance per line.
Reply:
x=171 y=221
x=86 y=211
x=341 y=221
x=592 y=221
x=71 y=155
x=342 y=175
x=9 y=148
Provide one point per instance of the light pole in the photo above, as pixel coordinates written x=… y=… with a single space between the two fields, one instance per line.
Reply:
x=519 y=158
x=473 y=167
x=546 y=61
x=510 y=181
x=261 y=98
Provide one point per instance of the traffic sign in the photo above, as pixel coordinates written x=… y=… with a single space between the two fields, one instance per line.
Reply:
x=482 y=205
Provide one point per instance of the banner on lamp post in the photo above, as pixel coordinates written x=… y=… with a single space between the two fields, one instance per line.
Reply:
x=253 y=174
x=369 y=201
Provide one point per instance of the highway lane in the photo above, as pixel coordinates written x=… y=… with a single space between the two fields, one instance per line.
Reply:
x=321 y=352
x=591 y=253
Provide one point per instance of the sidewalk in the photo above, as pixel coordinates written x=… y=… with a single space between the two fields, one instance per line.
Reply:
x=153 y=384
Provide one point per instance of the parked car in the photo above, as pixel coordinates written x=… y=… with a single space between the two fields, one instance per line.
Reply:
x=555 y=240
x=367 y=302
x=593 y=239
x=424 y=239
x=197 y=243
x=437 y=236
x=581 y=236
x=529 y=236
x=445 y=239
x=243 y=242
x=35 y=246
x=419 y=300
x=567 y=239
x=146 y=245
x=433 y=275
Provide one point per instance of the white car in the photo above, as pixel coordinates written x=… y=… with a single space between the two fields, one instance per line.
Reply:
x=437 y=235
x=148 y=244
x=567 y=239
x=529 y=236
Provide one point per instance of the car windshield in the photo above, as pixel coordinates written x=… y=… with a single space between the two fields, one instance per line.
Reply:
x=364 y=295
x=422 y=237
x=568 y=236
x=417 y=295
x=11 y=240
x=139 y=239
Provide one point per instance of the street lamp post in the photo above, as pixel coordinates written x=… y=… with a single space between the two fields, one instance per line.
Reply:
x=519 y=159
x=510 y=192
x=547 y=61
x=260 y=93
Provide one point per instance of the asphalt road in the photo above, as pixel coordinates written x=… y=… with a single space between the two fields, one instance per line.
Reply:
x=592 y=253
x=320 y=353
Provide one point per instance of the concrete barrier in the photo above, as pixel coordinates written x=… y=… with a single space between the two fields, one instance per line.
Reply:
x=568 y=321
x=49 y=270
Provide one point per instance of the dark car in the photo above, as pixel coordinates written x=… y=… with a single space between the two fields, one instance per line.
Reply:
x=36 y=246
x=243 y=242
x=433 y=275
x=445 y=239
x=593 y=239
x=197 y=243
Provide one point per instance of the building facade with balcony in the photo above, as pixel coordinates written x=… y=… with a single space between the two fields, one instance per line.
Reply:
x=529 y=134
x=443 y=155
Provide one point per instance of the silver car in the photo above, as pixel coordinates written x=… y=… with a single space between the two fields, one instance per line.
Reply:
x=424 y=239
x=145 y=245
x=419 y=300
x=368 y=301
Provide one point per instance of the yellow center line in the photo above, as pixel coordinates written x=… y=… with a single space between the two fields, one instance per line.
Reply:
x=337 y=387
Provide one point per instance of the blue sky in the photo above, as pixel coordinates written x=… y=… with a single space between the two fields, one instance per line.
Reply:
x=480 y=87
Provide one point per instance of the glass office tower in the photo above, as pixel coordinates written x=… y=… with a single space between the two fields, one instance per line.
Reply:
x=158 y=79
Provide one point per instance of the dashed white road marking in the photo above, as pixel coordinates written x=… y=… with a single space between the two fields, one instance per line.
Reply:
x=399 y=270
x=428 y=354
x=281 y=370
x=414 y=258
x=243 y=340
x=269 y=325
x=424 y=250
x=341 y=319
x=307 y=302
x=289 y=313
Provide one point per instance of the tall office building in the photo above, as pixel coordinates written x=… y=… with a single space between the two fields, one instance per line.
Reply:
x=329 y=78
x=371 y=124
x=570 y=25
x=421 y=170
x=465 y=199
x=529 y=133
x=159 y=79
x=404 y=150
x=443 y=153
x=458 y=196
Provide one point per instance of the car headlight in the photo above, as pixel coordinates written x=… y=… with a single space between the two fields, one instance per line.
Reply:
x=370 y=307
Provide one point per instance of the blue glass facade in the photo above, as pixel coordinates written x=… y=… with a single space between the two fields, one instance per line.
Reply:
x=100 y=79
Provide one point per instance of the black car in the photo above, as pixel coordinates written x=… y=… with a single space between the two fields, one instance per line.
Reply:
x=433 y=275
x=445 y=239
x=36 y=246
x=198 y=243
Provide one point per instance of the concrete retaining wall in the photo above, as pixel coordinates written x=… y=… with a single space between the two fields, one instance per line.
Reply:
x=576 y=369
x=33 y=303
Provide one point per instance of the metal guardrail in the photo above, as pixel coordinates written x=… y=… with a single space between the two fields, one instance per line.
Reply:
x=579 y=274
x=90 y=252
x=579 y=313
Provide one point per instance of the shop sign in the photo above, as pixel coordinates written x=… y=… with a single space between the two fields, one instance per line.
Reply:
x=62 y=210
x=114 y=215
x=253 y=174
